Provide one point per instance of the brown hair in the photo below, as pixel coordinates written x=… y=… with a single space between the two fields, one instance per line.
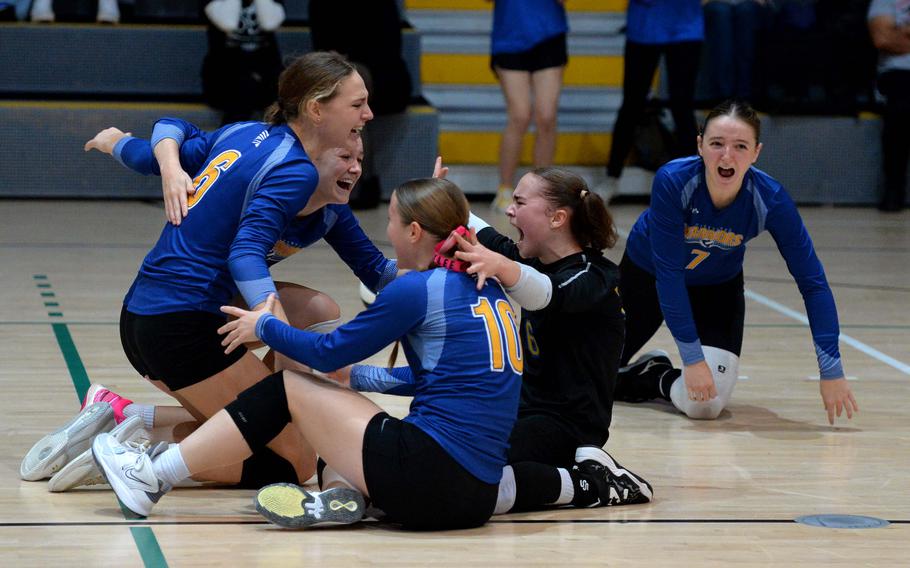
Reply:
x=311 y=77
x=738 y=109
x=437 y=205
x=590 y=221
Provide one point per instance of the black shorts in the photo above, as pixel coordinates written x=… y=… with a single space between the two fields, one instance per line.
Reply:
x=550 y=52
x=543 y=439
x=417 y=483
x=719 y=310
x=179 y=349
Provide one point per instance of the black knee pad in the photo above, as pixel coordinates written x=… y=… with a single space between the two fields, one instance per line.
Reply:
x=265 y=467
x=261 y=411
x=320 y=467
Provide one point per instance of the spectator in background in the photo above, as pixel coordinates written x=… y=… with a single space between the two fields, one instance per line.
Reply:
x=43 y=11
x=240 y=71
x=674 y=29
x=372 y=41
x=528 y=56
x=731 y=35
x=889 y=25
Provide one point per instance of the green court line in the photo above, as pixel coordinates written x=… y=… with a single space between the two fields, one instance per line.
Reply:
x=43 y=285
x=73 y=362
x=39 y=276
x=51 y=304
x=148 y=546
x=55 y=314
x=145 y=539
x=47 y=294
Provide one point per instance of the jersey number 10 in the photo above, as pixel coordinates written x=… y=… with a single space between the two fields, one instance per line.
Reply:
x=501 y=330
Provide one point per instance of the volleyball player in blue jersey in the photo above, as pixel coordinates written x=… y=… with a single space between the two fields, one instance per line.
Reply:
x=437 y=468
x=255 y=199
x=683 y=264
x=571 y=336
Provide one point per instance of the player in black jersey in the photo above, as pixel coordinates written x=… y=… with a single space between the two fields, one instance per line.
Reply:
x=572 y=328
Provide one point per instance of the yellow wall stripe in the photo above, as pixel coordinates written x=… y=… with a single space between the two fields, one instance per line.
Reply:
x=474 y=69
x=572 y=148
x=103 y=105
x=571 y=5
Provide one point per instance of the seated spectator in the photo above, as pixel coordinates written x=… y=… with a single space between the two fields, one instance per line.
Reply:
x=889 y=25
x=43 y=11
x=240 y=71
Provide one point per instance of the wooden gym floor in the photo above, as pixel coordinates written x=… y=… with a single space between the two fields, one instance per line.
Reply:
x=726 y=492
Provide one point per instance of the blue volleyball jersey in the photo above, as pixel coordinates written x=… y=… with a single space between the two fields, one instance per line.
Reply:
x=464 y=359
x=683 y=239
x=252 y=180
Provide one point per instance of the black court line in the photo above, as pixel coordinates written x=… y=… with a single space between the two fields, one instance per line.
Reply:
x=145 y=523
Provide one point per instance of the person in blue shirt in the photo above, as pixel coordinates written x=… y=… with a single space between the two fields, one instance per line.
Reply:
x=464 y=361
x=684 y=264
x=255 y=199
x=528 y=55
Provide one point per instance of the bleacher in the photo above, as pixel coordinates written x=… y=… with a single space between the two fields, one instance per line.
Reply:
x=61 y=83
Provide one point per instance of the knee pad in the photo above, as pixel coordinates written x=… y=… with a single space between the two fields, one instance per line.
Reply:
x=266 y=467
x=261 y=411
x=505 y=500
x=724 y=367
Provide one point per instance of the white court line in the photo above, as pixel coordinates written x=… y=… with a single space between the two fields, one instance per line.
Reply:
x=855 y=343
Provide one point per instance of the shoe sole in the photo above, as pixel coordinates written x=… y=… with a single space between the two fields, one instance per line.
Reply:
x=124 y=493
x=54 y=451
x=649 y=355
x=82 y=470
x=284 y=504
x=606 y=460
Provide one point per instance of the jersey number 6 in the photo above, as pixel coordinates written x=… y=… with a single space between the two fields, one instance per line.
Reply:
x=501 y=328
x=210 y=175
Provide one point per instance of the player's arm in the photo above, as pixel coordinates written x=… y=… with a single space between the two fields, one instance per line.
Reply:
x=400 y=307
x=795 y=245
x=371 y=378
x=887 y=36
x=670 y=259
x=367 y=262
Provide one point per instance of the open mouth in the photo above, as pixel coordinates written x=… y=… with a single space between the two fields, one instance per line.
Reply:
x=345 y=185
x=725 y=172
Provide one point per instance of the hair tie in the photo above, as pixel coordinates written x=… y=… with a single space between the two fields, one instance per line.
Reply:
x=583 y=194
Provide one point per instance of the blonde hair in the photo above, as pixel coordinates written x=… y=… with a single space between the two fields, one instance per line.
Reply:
x=311 y=77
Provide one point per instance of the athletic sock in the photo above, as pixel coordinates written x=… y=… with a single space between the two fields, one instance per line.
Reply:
x=146 y=411
x=586 y=492
x=665 y=381
x=536 y=485
x=170 y=467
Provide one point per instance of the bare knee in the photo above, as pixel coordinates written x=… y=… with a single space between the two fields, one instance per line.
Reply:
x=519 y=118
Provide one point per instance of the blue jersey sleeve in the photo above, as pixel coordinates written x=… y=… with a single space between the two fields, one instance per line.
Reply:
x=400 y=307
x=138 y=154
x=789 y=232
x=667 y=217
x=368 y=378
x=359 y=253
x=283 y=191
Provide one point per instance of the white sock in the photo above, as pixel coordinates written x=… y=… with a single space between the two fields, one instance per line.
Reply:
x=146 y=411
x=567 y=491
x=170 y=467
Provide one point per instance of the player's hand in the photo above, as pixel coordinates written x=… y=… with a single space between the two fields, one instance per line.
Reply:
x=440 y=171
x=243 y=329
x=484 y=262
x=341 y=376
x=837 y=396
x=105 y=140
x=699 y=382
x=176 y=185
